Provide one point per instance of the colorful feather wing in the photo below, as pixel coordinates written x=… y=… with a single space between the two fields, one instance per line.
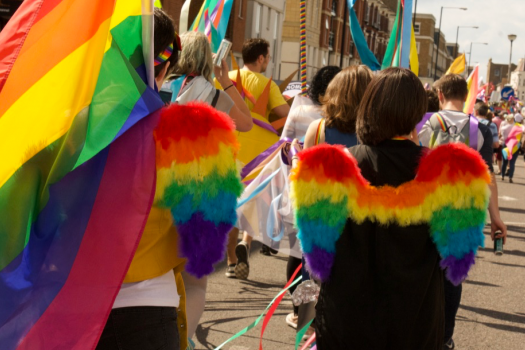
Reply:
x=461 y=202
x=197 y=179
x=321 y=203
x=450 y=193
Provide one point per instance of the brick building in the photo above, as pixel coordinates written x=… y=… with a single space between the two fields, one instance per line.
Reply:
x=329 y=41
x=290 y=38
x=497 y=74
x=426 y=40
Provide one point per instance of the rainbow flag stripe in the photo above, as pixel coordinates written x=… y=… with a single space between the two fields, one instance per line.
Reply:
x=212 y=20
x=78 y=172
x=450 y=192
x=200 y=184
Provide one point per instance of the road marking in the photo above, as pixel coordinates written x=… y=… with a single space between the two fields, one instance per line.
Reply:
x=507 y=198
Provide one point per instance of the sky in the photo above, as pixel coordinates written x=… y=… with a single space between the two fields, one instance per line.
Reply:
x=495 y=19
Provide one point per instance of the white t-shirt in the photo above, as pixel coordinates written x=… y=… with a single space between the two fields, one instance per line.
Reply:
x=159 y=291
x=299 y=120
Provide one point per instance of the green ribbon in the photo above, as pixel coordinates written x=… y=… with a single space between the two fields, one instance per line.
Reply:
x=256 y=322
x=301 y=334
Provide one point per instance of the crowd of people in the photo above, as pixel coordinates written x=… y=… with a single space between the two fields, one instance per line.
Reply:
x=382 y=282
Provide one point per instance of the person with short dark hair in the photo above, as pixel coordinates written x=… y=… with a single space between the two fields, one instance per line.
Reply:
x=254 y=49
x=385 y=290
x=450 y=123
x=433 y=100
x=481 y=111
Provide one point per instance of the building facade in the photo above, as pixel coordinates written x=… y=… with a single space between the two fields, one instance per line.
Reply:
x=328 y=37
x=497 y=73
x=424 y=28
x=517 y=79
x=426 y=42
x=290 y=41
x=264 y=19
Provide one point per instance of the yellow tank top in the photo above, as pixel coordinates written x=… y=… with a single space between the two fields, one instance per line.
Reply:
x=157 y=252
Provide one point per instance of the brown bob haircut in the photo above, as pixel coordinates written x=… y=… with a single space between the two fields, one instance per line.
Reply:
x=253 y=48
x=342 y=97
x=394 y=102
x=453 y=87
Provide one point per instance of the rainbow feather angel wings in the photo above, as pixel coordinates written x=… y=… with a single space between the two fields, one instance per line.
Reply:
x=200 y=185
x=450 y=193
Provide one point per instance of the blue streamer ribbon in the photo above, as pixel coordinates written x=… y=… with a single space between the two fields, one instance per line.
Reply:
x=367 y=57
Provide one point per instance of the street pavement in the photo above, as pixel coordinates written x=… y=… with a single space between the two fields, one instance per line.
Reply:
x=491 y=315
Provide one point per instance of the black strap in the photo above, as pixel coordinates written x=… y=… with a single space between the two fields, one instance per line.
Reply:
x=215 y=98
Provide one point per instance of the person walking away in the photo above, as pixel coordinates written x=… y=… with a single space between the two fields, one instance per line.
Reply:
x=195 y=66
x=513 y=136
x=382 y=284
x=256 y=57
x=144 y=314
x=452 y=125
x=296 y=126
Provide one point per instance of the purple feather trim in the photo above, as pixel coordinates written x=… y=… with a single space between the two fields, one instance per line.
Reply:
x=457 y=269
x=202 y=243
x=319 y=262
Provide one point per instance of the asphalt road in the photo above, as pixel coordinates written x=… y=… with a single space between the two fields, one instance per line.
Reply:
x=491 y=315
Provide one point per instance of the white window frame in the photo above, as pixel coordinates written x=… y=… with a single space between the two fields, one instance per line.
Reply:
x=418 y=26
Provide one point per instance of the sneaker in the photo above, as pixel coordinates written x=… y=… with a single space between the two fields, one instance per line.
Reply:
x=265 y=250
x=510 y=180
x=230 y=271
x=449 y=345
x=191 y=345
x=292 y=319
x=242 y=269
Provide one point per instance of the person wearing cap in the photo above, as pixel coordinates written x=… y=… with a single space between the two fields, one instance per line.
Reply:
x=512 y=136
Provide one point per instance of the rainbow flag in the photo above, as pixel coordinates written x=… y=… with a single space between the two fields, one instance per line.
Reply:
x=77 y=176
x=473 y=90
x=450 y=193
x=212 y=20
x=395 y=49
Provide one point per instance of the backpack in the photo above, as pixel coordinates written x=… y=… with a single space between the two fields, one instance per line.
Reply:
x=441 y=132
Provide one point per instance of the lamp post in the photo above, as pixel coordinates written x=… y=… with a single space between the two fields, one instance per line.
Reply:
x=512 y=37
x=470 y=56
x=457 y=36
x=439 y=35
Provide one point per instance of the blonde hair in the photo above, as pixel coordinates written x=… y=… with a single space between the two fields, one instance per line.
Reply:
x=342 y=97
x=195 y=56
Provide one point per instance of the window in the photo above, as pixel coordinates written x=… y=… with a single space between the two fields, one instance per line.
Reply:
x=417 y=28
x=417 y=46
x=367 y=13
x=496 y=72
x=240 y=8
x=334 y=8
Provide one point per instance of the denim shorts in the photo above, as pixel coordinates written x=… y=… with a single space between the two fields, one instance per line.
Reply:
x=140 y=328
